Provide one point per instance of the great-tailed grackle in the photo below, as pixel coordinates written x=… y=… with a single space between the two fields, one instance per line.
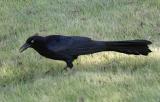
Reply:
x=68 y=48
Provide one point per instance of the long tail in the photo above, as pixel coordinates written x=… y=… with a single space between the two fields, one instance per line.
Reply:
x=136 y=47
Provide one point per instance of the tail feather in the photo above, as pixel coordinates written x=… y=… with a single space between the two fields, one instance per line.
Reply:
x=136 y=47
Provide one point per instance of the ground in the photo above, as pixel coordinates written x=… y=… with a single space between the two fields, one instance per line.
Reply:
x=101 y=77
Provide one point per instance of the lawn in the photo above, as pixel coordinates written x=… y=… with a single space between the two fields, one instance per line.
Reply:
x=100 y=77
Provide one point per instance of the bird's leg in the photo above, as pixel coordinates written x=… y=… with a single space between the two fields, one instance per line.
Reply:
x=65 y=68
x=71 y=69
x=69 y=65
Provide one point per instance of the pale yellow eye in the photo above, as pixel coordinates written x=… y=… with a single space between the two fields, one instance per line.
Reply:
x=32 y=41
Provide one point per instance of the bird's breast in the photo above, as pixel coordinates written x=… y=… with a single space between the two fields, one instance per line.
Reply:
x=51 y=55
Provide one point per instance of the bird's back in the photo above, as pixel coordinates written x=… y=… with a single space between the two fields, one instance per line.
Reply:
x=59 y=43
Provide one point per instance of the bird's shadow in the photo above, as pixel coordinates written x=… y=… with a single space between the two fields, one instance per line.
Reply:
x=129 y=64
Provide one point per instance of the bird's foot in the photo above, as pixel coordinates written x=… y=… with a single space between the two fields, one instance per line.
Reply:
x=71 y=71
x=68 y=71
x=65 y=69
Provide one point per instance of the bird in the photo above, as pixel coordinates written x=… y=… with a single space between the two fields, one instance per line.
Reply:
x=68 y=48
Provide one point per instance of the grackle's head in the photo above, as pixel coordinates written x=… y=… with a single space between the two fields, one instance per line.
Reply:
x=32 y=42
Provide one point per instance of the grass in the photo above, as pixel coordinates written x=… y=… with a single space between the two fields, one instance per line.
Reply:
x=101 y=77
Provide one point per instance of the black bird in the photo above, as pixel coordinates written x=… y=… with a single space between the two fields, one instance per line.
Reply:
x=68 y=48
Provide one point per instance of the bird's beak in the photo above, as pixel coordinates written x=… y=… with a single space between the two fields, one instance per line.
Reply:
x=24 y=47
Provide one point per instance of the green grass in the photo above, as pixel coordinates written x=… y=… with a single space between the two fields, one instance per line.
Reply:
x=101 y=77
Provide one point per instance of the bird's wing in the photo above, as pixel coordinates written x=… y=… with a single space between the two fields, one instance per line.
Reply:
x=67 y=44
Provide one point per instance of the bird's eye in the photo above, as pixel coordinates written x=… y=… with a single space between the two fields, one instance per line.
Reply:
x=32 y=41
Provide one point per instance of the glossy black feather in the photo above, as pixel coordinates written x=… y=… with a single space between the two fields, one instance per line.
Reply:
x=68 y=48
